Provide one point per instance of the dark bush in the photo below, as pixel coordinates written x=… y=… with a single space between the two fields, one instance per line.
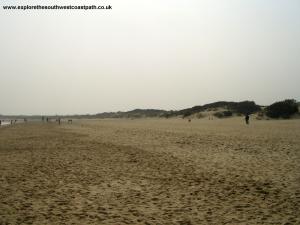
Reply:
x=223 y=114
x=218 y=114
x=200 y=115
x=227 y=113
x=246 y=107
x=186 y=114
x=282 y=109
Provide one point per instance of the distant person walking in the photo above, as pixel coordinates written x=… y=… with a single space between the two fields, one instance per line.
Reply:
x=0 y=122
x=247 y=119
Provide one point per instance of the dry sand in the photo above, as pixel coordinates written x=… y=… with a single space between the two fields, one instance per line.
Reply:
x=151 y=171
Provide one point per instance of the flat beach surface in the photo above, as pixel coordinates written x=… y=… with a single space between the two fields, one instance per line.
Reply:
x=150 y=171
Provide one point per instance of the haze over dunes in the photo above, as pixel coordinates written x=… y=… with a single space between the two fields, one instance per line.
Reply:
x=286 y=108
x=167 y=54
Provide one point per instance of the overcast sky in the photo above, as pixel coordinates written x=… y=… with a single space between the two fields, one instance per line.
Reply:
x=166 y=54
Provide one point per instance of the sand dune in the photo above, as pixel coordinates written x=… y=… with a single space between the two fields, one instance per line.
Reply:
x=151 y=171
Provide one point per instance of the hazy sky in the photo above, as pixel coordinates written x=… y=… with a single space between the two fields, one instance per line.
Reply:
x=166 y=54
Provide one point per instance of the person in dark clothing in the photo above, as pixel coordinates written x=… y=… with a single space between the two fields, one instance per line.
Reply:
x=247 y=118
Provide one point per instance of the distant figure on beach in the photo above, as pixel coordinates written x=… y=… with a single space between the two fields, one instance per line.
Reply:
x=43 y=118
x=47 y=119
x=0 y=122
x=247 y=118
x=11 y=122
x=70 y=121
x=58 y=121
x=25 y=120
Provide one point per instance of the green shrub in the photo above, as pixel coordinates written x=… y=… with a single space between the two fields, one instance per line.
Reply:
x=223 y=114
x=200 y=115
x=186 y=114
x=245 y=107
x=282 y=109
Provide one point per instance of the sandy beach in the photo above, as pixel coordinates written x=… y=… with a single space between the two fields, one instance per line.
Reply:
x=151 y=171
